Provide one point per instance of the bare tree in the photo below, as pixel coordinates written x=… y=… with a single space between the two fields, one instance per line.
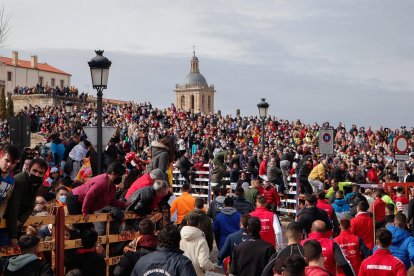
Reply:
x=4 y=27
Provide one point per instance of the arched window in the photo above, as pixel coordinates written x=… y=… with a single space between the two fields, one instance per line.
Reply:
x=182 y=102
x=208 y=103
x=192 y=102
x=202 y=102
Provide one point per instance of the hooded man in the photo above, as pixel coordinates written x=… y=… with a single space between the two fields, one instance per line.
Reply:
x=194 y=245
x=28 y=263
x=402 y=244
x=226 y=222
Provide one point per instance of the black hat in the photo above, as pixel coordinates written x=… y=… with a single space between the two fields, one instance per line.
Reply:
x=28 y=241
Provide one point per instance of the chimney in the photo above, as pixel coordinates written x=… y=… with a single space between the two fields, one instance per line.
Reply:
x=33 y=62
x=15 y=57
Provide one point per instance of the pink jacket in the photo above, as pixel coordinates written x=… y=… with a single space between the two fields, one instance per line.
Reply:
x=96 y=193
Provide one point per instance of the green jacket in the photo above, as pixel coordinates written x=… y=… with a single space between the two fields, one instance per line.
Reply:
x=341 y=186
x=251 y=195
x=21 y=203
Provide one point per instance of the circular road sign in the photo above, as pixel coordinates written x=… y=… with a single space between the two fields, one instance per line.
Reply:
x=326 y=137
x=401 y=144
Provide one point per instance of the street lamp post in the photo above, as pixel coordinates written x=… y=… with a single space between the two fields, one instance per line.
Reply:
x=68 y=109
x=263 y=106
x=99 y=66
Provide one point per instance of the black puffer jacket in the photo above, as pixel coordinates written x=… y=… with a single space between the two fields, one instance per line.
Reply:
x=242 y=205
x=308 y=215
x=141 y=201
x=165 y=261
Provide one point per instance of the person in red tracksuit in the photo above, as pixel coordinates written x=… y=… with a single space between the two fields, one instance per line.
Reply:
x=271 y=227
x=331 y=251
x=382 y=262
x=272 y=196
x=325 y=206
x=363 y=225
x=263 y=166
x=353 y=246
x=378 y=207
x=313 y=255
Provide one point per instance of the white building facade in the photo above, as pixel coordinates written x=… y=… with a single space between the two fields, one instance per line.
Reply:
x=23 y=73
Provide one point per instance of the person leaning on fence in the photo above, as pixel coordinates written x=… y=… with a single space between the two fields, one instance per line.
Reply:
x=22 y=200
x=28 y=263
x=8 y=160
x=97 y=192
x=86 y=259
x=145 y=180
x=167 y=259
x=147 y=199
x=139 y=247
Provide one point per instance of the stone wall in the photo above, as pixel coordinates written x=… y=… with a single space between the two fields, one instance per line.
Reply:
x=20 y=101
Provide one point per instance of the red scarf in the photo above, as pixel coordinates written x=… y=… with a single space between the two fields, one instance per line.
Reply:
x=85 y=250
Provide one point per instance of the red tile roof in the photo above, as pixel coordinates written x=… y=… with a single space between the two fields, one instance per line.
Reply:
x=27 y=64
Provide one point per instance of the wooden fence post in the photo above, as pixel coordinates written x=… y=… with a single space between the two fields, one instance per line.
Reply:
x=59 y=241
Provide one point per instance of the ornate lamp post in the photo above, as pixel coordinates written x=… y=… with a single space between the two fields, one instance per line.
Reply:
x=99 y=66
x=68 y=109
x=263 y=106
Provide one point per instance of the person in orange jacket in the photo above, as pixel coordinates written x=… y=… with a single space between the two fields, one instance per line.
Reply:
x=183 y=204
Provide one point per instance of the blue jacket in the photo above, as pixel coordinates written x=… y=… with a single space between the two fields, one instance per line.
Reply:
x=57 y=151
x=231 y=242
x=226 y=223
x=340 y=207
x=402 y=245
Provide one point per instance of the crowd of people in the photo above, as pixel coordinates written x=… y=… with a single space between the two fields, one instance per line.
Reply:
x=52 y=91
x=341 y=229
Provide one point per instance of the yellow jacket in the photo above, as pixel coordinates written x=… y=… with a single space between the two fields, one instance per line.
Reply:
x=318 y=173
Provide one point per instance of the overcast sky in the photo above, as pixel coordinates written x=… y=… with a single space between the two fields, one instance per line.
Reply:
x=349 y=61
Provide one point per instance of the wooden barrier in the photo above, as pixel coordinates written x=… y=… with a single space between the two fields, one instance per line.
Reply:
x=58 y=244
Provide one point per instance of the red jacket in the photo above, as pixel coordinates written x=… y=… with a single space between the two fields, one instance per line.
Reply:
x=327 y=250
x=263 y=167
x=363 y=226
x=402 y=204
x=378 y=210
x=266 y=218
x=316 y=271
x=144 y=181
x=272 y=197
x=323 y=205
x=382 y=263
x=349 y=244
x=372 y=176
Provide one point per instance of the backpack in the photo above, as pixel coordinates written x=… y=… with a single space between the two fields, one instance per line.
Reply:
x=218 y=206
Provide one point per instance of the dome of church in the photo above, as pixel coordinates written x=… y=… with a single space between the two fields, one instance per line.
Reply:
x=195 y=78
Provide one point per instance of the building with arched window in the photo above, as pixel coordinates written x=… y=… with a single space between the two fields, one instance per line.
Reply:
x=195 y=94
